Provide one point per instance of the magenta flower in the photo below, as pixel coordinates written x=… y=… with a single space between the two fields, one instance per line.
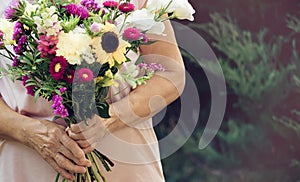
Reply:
x=1 y=39
x=91 y=5
x=126 y=7
x=18 y=31
x=47 y=45
x=131 y=34
x=111 y=4
x=58 y=67
x=20 y=47
x=10 y=10
x=58 y=107
x=78 y=10
x=85 y=75
x=29 y=89
x=15 y=62
x=62 y=90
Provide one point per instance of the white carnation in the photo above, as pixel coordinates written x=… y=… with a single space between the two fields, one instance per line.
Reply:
x=72 y=45
x=7 y=28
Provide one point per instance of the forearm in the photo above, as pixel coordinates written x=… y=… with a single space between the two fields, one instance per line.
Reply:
x=162 y=89
x=13 y=124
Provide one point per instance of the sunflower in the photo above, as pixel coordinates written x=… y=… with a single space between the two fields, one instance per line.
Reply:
x=110 y=47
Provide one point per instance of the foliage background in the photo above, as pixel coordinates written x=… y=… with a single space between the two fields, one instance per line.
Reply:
x=257 y=44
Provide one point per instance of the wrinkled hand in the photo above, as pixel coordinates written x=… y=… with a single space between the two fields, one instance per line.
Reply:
x=88 y=136
x=57 y=148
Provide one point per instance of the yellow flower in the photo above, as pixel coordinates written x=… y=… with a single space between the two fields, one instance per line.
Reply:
x=109 y=47
x=72 y=45
x=8 y=29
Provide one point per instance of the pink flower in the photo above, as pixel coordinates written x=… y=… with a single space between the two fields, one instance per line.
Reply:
x=58 y=67
x=145 y=38
x=85 y=75
x=47 y=45
x=111 y=4
x=126 y=7
x=132 y=34
x=95 y=28
x=78 y=10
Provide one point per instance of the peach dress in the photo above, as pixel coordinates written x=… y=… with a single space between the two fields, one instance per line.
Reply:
x=133 y=149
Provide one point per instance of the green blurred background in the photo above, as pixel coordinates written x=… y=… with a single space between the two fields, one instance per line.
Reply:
x=257 y=45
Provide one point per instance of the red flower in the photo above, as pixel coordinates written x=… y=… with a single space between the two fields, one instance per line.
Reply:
x=85 y=75
x=126 y=7
x=131 y=34
x=58 y=67
x=70 y=76
x=110 y=4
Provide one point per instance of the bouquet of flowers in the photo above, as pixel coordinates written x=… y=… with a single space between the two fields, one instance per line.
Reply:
x=70 y=52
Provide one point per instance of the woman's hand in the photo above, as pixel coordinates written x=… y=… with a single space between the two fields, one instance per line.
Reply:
x=88 y=136
x=57 y=148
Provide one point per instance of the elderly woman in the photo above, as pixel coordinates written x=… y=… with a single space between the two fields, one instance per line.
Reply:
x=33 y=148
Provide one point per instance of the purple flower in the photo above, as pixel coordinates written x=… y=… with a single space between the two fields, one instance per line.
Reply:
x=62 y=90
x=78 y=10
x=58 y=107
x=29 y=89
x=18 y=31
x=131 y=34
x=10 y=10
x=1 y=39
x=91 y=5
x=21 y=44
x=15 y=62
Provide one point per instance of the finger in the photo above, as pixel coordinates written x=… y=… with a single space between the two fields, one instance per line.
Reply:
x=84 y=135
x=82 y=126
x=84 y=143
x=76 y=151
x=65 y=174
x=66 y=164
x=88 y=149
x=67 y=153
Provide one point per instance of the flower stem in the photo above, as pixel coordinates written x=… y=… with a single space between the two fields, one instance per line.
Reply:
x=97 y=165
x=57 y=177
x=93 y=167
x=88 y=177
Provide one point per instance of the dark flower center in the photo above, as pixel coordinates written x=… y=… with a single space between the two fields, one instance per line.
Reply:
x=110 y=42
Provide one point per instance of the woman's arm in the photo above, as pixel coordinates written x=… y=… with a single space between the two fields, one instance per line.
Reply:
x=47 y=138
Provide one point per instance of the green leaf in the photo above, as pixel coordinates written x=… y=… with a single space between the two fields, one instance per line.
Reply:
x=103 y=109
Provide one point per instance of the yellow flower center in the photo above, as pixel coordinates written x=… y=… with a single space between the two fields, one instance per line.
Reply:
x=57 y=67
x=85 y=75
